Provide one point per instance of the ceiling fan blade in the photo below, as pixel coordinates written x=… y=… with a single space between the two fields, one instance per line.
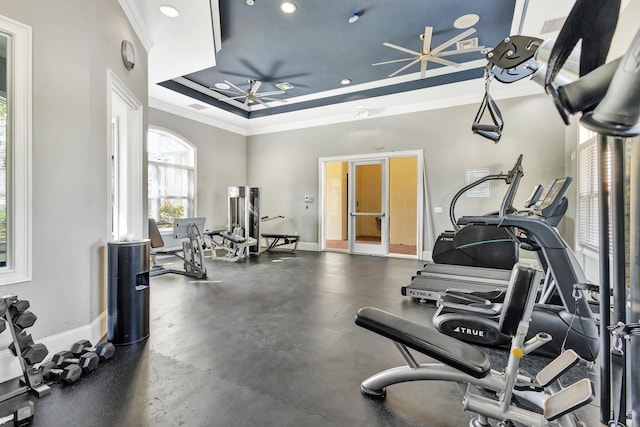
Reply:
x=234 y=86
x=458 y=51
x=426 y=42
x=443 y=61
x=395 y=60
x=402 y=49
x=273 y=99
x=224 y=90
x=236 y=97
x=405 y=67
x=275 y=92
x=259 y=101
x=255 y=86
x=454 y=40
x=423 y=68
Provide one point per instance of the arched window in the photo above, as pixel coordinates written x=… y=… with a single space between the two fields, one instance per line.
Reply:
x=171 y=177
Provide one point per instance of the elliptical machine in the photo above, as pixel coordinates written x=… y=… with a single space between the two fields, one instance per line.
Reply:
x=473 y=318
x=478 y=245
x=433 y=280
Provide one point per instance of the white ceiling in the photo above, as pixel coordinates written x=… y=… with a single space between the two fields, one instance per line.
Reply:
x=181 y=46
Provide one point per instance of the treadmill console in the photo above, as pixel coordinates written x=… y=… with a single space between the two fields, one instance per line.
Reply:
x=549 y=202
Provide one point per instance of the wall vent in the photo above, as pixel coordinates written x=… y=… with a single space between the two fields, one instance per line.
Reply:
x=467 y=44
x=197 y=106
x=284 y=86
x=553 y=25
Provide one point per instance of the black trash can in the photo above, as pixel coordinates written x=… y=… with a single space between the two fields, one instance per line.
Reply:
x=128 y=283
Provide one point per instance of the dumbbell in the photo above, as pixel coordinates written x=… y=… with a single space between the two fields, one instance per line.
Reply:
x=19 y=306
x=24 y=320
x=31 y=353
x=88 y=362
x=67 y=375
x=105 y=351
x=21 y=417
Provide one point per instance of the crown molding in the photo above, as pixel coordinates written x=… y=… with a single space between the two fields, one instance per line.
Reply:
x=193 y=115
x=136 y=21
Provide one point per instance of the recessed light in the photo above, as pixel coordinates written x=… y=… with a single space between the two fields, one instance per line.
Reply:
x=222 y=86
x=169 y=11
x=466 y=21
x=353 y=18
x=288 y=7
x=345 y=81
x=251 y=2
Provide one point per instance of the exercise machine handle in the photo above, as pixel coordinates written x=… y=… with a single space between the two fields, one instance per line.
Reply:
x=452 y=207
x=621 y=105
x=587 y=91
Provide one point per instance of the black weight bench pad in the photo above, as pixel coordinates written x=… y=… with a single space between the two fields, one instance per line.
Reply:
x=234 y=238
x=457 y=354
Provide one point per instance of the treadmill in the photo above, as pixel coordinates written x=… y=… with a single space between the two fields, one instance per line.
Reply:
x=434 y=279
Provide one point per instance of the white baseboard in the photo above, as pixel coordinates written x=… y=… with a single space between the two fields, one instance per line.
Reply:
x=426 y=256
x=308 y=246
x=10 y=366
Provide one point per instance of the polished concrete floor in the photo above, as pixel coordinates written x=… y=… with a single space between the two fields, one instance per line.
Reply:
x=266 y=342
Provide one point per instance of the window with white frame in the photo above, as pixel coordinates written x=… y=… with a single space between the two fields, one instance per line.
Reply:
x=171 y=177
x=588 y=188
x=588 y=194
x=15 y=151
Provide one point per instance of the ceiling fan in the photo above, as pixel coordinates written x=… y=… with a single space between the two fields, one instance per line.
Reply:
x=251 y=95
x=427 y=54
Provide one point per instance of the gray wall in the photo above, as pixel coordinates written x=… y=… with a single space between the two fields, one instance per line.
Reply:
x=220 y=162
x=74 y=42
x=285 y=164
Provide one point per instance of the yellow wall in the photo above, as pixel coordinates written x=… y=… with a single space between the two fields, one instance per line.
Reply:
x=336 y=200
x=403 y=204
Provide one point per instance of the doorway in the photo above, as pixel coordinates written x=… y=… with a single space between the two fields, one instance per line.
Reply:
x=372 y=204
x=125 y=138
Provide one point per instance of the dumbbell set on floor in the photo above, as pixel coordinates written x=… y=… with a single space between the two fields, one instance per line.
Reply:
x=65 y=366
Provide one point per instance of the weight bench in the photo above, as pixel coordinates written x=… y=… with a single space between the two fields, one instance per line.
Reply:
x=274 y=241
x=230 y=247
x=463 y=363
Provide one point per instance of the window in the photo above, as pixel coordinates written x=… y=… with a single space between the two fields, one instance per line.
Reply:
x=15 y=152
x=171 y=177
x=588 y=234
x=588 y=189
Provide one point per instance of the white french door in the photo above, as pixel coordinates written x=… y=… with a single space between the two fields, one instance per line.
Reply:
x=372 y=204
x=368 y=207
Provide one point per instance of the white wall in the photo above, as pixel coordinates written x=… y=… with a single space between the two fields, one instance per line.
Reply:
x=74 y=42
x=285 y=164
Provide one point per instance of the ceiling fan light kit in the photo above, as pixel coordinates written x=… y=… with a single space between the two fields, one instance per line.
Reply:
x=427 y=54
